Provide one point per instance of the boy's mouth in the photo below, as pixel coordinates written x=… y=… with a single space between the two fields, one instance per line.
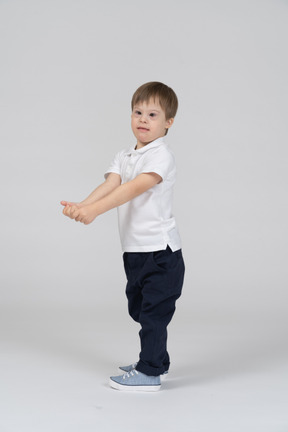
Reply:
x=142 y=129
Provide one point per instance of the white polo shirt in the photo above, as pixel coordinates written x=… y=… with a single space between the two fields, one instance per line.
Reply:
x=146 y=223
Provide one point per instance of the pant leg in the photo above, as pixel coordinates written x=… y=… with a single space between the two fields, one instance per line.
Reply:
x=134 y=288
x=161 y=289
x=154 y=284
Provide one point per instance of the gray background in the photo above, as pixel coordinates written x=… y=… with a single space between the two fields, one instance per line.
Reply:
x=68 y=71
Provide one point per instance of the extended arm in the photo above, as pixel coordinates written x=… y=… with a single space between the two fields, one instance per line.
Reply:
x=112 y=182
x=118 y=196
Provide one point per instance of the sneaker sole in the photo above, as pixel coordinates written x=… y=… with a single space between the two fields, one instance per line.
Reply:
x=146 y=388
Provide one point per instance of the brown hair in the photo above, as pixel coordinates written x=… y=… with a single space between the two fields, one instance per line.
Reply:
x=157 y=90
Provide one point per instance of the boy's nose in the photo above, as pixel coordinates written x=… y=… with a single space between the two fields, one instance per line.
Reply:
x=143 y=118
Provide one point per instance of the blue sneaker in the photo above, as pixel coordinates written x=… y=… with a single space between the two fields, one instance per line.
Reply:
x=135 y=381
x=133 y=366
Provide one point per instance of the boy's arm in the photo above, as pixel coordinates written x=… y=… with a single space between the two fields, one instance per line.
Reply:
x=112 y=182
x=120 y=195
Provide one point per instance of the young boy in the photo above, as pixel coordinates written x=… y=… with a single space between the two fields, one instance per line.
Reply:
x=139 y=182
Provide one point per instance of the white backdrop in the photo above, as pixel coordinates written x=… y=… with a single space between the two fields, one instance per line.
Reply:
x=68 y=71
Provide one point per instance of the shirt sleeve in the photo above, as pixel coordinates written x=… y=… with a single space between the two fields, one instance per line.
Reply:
x=161 y=163
x=115 y=166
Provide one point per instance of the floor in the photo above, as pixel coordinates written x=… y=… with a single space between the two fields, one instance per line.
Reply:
x=225 y=376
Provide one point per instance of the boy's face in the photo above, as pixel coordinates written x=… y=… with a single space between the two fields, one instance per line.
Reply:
x=149 y=122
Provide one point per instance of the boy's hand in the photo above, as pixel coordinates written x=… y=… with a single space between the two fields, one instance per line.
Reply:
x=69 y=209
x=85 y=214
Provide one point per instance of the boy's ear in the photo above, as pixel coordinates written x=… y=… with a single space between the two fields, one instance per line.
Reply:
x=169 y=123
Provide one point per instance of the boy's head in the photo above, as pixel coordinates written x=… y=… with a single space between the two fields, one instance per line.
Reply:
x=154 y=106
x=160 y=93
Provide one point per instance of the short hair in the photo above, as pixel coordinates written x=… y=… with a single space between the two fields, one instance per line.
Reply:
x=157 y=90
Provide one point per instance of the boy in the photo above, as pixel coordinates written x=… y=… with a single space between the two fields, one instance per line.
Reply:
x=139 y=183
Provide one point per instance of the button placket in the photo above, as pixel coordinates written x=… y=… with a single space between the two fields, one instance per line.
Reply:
x=130 y=165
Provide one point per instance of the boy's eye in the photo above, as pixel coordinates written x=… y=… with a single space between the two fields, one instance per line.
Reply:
x=138 y=112
x=152 y=114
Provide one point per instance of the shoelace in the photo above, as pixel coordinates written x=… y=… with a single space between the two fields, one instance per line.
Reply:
x=129 y=374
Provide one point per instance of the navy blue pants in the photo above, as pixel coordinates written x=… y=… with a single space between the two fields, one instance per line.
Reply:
x=154 y=283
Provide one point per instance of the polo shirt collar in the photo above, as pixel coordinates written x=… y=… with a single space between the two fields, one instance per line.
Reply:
x=153 y=144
